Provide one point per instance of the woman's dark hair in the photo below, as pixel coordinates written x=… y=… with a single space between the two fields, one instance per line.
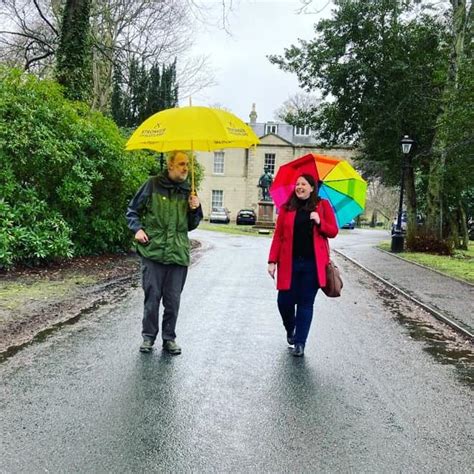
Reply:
x=309 y=204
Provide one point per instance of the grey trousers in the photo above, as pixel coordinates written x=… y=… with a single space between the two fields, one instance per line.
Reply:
x=161 y=283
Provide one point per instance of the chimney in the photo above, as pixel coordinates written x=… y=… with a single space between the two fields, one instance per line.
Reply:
x=253 y=115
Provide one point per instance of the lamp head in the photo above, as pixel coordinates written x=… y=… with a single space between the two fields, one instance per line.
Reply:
x=406 y=142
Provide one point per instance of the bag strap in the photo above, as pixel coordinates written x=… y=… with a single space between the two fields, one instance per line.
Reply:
x=325 y=238
x=329 y=248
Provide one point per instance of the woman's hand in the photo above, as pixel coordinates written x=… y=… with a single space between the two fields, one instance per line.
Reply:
x=271 y=269
x=314 y=216
x=141 y=237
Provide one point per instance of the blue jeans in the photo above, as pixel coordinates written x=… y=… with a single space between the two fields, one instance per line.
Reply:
x=304 y=286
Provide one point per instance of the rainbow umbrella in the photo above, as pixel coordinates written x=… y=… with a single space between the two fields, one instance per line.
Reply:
x=340 y=184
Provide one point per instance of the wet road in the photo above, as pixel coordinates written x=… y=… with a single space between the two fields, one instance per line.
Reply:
x=365 y=398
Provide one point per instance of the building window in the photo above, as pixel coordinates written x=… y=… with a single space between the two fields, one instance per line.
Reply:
x=218 y=162
x=303 y=131
x=270 y=162
x=271 y=128
x=217 y=198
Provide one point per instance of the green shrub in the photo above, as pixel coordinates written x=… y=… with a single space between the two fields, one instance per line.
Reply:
x=65 y=179
x=30 y=233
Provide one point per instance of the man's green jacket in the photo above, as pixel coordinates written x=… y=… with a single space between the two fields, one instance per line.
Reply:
x=161 y=209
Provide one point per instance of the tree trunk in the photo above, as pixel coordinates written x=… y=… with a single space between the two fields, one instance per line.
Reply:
x=102 y=84
x=103 y=65
x=410 y=203
x=74 y=58
x=464 y=238
x=373 y=219
x=454 y=229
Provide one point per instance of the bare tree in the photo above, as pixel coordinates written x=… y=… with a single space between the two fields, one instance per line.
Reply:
x=381 y=200
x=297 y=105
x=313 y=7
x=220 y=106
x=29 y=34
x=157 y=31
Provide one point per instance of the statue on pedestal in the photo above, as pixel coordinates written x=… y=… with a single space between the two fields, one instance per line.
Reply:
x=264 y=182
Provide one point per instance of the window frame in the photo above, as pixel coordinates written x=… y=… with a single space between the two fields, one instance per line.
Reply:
x=271 y=128
x=272 y=165
x=218 y=154
x=213 y=202
x=304 y=131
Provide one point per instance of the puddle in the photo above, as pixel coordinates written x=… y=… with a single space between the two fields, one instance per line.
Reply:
x=440 y=342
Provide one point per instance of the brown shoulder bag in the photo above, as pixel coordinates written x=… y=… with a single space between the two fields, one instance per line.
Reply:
x=333 y=281
x=333 y=278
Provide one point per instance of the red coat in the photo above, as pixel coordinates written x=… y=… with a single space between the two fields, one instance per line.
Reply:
x=281 y=250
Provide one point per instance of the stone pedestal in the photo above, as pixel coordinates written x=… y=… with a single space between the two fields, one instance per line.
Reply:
x=265 y=215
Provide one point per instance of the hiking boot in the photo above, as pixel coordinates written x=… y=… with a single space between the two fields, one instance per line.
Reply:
x=298 y=351
x=146 y=346
x=171 y=347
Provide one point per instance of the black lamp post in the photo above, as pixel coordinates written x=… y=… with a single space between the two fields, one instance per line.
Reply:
x=397 y=235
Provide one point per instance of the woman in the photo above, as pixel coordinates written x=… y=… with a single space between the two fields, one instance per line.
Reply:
x=300 y=251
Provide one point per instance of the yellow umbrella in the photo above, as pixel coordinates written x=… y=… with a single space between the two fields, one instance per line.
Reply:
x=192 y=128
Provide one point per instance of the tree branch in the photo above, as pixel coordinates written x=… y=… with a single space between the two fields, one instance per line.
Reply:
x=44 y=18
x=37 y=58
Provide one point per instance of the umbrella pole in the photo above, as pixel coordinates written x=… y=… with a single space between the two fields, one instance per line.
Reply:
x=193 y=190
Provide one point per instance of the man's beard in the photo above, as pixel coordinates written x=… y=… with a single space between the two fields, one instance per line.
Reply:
x=180 y=178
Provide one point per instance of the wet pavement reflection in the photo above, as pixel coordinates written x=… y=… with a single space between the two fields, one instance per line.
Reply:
x=445 y=346
x=365 y=398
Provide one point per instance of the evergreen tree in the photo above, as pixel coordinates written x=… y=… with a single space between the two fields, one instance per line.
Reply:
x=154 y=84
x=117 y=100
x=144 y=93
x=140 y=95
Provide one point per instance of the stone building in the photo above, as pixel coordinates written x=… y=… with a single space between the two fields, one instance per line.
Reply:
x=231 y=175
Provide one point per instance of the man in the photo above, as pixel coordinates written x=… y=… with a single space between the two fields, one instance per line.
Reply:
x=161 y=214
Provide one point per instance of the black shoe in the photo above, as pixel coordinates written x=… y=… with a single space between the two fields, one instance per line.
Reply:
x=290 y=337
x=298 y=351
x=146 y=346
x=171 y=347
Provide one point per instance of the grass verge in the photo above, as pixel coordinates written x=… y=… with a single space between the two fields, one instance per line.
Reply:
x=231 y=229
x=460 y=265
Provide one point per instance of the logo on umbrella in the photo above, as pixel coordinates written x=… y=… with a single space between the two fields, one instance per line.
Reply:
x=153 y=133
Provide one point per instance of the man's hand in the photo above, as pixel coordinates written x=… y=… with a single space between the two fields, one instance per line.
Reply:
x=271 y=269
x=193 y=202
x=142 y=237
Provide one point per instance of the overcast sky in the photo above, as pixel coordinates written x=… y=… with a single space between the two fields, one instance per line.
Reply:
x=241 y=69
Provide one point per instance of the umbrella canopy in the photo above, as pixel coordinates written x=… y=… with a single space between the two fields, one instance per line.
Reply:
x=341 y=185
x=192 y=128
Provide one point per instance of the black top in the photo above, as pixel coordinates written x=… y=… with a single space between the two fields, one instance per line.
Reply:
x=303 y=235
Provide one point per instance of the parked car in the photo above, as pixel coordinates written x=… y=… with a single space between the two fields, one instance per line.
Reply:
x=246 y=216
x=470 y=228
x=219 y=215
x=419 y=221
x=350 y=225
x=403 y=224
